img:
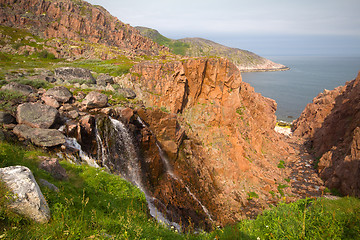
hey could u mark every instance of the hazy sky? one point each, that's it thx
(266, 27)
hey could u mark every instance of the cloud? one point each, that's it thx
(238, 16)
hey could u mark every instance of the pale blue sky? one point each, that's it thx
(277, 27)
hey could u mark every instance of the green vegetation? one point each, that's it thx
(175, 46)
(283, 124)
(9, 100)
(93, 204)
(281, 164)
(252, 195)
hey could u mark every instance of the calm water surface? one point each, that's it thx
(307, 77)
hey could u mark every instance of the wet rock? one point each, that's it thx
(72, 73)
(29, 200)
(127, 93)
(95, 100)
(6, 118)
(59, 93)
(52, 166)
(104, 79)
(18, 87)
(37, 115)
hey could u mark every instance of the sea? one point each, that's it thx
(307, 77)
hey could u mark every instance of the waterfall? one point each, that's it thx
(172, 174)
(72, 143)
(126, 156)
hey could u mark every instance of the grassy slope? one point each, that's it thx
(197, 47)
(96, 205)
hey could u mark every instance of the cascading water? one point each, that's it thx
(72, 143)
(118, 152)
(172, 175)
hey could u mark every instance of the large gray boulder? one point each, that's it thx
(59, 93)
(37, 115)
(71, 73)
(28, 199)
(39, 136)
(95, 100)
(18, 87)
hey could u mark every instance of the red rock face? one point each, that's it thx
(332, 123)
(79, 21)
(221, 142)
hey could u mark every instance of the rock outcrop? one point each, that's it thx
(18, 87)
(75, 20)
(332, 124)
(95, 100)
(60, 94)
(74, 74)
(37, 115)
(39, 136)
(28, 199)
(220, 131)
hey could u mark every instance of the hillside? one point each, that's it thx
(199, 47)
(119, 133)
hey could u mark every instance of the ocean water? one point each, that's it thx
(307, 77)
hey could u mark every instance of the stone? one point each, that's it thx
(40, 137)
(104, 79)
(50, 101)
(95, 100)
(49, 185)
(6, 118)
(47, 137)
(52, 166)
(37, 115)
(127, 93)
(72, 73)
(29, 200)
(59, 93)
(18, 87)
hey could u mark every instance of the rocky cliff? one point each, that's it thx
(246, 61)
(332, 124)
(225, 146)
(74, 20)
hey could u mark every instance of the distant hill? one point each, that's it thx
(197, 47)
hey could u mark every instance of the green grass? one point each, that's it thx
(304, 219)
(10, 99)
(93, 204)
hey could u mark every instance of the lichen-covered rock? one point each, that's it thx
(40, 137)
(127, 93)
(59, 93)
(104, 79)
(28, 199)
(37, 115)
(18, 87)
(72, 73)
(95, 100)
